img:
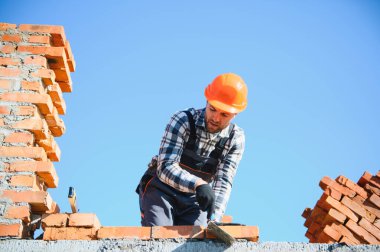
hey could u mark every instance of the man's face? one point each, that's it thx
(216, 119)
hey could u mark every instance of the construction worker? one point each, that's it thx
(189, 182)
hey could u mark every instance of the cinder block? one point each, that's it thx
(141, 233)
(171, 232)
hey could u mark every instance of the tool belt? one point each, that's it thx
(202, 167)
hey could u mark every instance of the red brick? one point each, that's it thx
(55, 93)
(56, 55)
(40, 201)
(20, 137)
(324, 238)
(84, 220)
(54, 220)
(54, 209)
(336, 215)
(375, 200)
(141, 233)
(4, 110)
(5, 84)
(2, 122)
(36, 125)
(314, 228)
(369, 206)
(14, 230)
(347, 241)
(65, 86)
(327, 202)
(317, 215)
(70, 57)
(373, 230)
(9, 62)
(7, 49)
(11, 38)
(352, 185)
(57, 32)
(348, 234)
(358, 209)
(9, 71)
(45, 170)
(361, 232)
(375, 181)
(25, 111)
(328, 182)
(36, 153)
(250, 233)
(51, 147)
(32, 85)
(333, 193)
(372, 189)
(377, 223)
(306, 213)
(43, 101)
(31, 181)
(36, 60)
(18, 212)
(7, 26)
(69, 233)
(171, 232)
(39, 39)
(365, 178)
(47, 76)
(335, 235)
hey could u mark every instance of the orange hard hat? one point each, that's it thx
(227, 92)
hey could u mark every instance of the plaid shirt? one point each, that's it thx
(175, 137)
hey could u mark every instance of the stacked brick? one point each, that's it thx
(86, 226)
(35, 66)
(347, 212)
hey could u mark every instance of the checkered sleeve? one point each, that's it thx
(168, 170)
(226, 171)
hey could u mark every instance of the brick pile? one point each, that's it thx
(86, 226)
(35, 66)
(347, 212)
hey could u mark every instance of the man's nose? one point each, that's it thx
(216, 117)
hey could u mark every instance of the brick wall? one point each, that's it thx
(35, 66)
(347, 212)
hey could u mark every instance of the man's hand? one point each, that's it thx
(206, 199)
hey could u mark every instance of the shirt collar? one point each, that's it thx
(200, 122)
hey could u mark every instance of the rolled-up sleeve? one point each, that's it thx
(226, 172)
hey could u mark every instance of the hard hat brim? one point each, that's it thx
(225, 107)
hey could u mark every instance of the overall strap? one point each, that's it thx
(193, 136)
(217, 152)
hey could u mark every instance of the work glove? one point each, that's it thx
(206, 199)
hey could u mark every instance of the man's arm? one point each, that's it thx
(226, 173)
(173, 142)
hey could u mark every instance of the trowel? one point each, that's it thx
(214, 228)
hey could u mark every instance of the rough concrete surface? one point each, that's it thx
(174, 245)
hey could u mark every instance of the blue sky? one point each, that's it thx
(312, 68)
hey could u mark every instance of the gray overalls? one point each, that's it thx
(161, 204)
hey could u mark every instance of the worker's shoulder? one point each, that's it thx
(238, 132)
(182, 114)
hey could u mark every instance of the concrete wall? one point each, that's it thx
(175, 245)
